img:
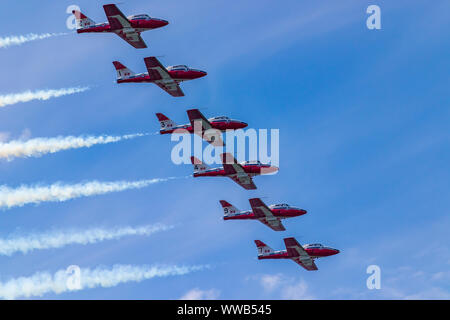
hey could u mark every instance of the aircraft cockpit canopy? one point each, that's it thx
(220, 118)
(252, 162)
(314, 246)
(280, 206)
(139, 17)
(178, 68)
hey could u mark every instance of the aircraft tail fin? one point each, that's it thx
(263, 249)
(82, 20)
(198, 165)
(228, 209)
(165, 122)
(122, 71)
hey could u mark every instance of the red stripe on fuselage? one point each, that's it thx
(96, 28)
(279, 213)
(314, 253)
(243, 216)
(282, 255)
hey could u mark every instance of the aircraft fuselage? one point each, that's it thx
(251, 170)
(176, 75)
(312, 252)
(218, 125)
(279, 213)
(136, 26)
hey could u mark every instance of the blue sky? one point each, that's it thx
(364, 144)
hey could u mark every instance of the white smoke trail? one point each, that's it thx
(62, 281)
(13, 98)
(18, 40)
(59, 239)
(62, 192)
(39, 146)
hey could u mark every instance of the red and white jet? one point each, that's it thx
(269, 215)
(128, 28)
(241, 173)
(166, 78)
(200, 126)
(303, 255)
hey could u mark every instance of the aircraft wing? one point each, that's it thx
(245, 182)
(122, 26)
(133, 38)
(196, 115)
(236, 172)
(299, 255)
(116, 18)
(264, 214)
(198, 119)
(160, 76)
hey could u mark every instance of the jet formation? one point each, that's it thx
(243, 174)
(130, 29)
(169, 79)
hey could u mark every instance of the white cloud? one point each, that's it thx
(441, 275)
(296, 291)
(288, 288)
(269, 282)
(433, 293)
(197, 294)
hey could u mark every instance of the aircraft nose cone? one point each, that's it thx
(336, 251)
(299, 212)
(244, 124)
(165, 23)
(269, 170)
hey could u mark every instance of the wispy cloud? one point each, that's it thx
(59, 239)
(197, 294)
(21, 39)
(284, 287)
(43, 282)
(297, 290)
(13, 98)
(58, 192)
(39, 146)
(270, 281)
